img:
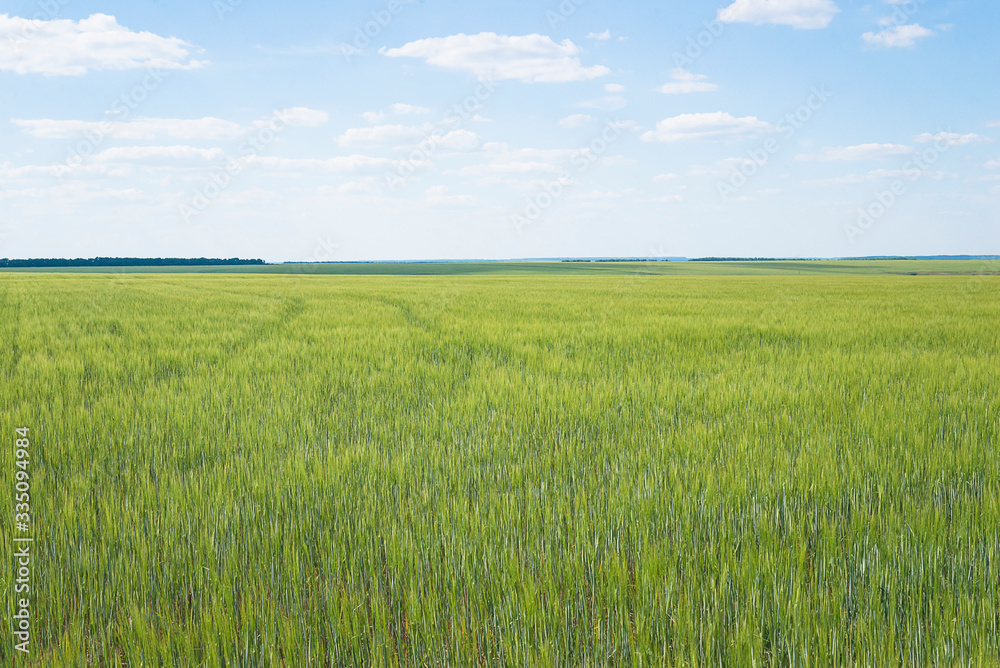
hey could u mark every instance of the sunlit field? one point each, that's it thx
(560, 470)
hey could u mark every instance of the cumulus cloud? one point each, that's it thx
(208, 127)
(952, 139)
(685, 82)
(458, 140)
(506, 160)
(63, 47)
(400, 109)
(300, 117)
(601, 36)
(381, 134)
(509, 167)
(717, 125)
(576, 121)
(529, 58)
(438, 196)
(858, 152)
(156, 153)
(455, 140)
(799, 14)
(897, 36)
(611, 102)
(144, 128)
(339, 164)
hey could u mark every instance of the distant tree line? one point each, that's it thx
(125, 262)
(750, 259)
(619, 259)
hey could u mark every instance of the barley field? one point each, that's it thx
(559, 470)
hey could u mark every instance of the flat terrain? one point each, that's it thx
(561, 470)
(652, 268)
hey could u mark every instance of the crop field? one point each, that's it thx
(529, 470)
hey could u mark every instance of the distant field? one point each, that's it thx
(563, 470)
(863, 267)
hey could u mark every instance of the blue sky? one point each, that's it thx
(432, 129)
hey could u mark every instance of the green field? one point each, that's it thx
(537, 470)
(648, 268)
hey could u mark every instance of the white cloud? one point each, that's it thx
(724, 167)
(664, 177)
(614, 88)
(438, 196)
(897, 36)
(717, 125)
(502, 159)
(149, 128)
(510, 167)
(952, 138)
(48, 171)
(876, 175)
(400, 109)
(338, 164)
(993, 164)
(529, 58)
(300, 117)
(626, 125)
(800, 14)
(154, 153)
(606, 103)
(143, 128)
(903, 173)
(72, 48)
(618, 161)
(576, 121)
(600, 35)
(685, 82)
(381, 134)
(75, 193)
(993, 124)
(858, 152)
(367, 185)
(458, 140)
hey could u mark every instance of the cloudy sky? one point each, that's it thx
(396, 129)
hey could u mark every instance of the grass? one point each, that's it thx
(766, 268)
(508, 470)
